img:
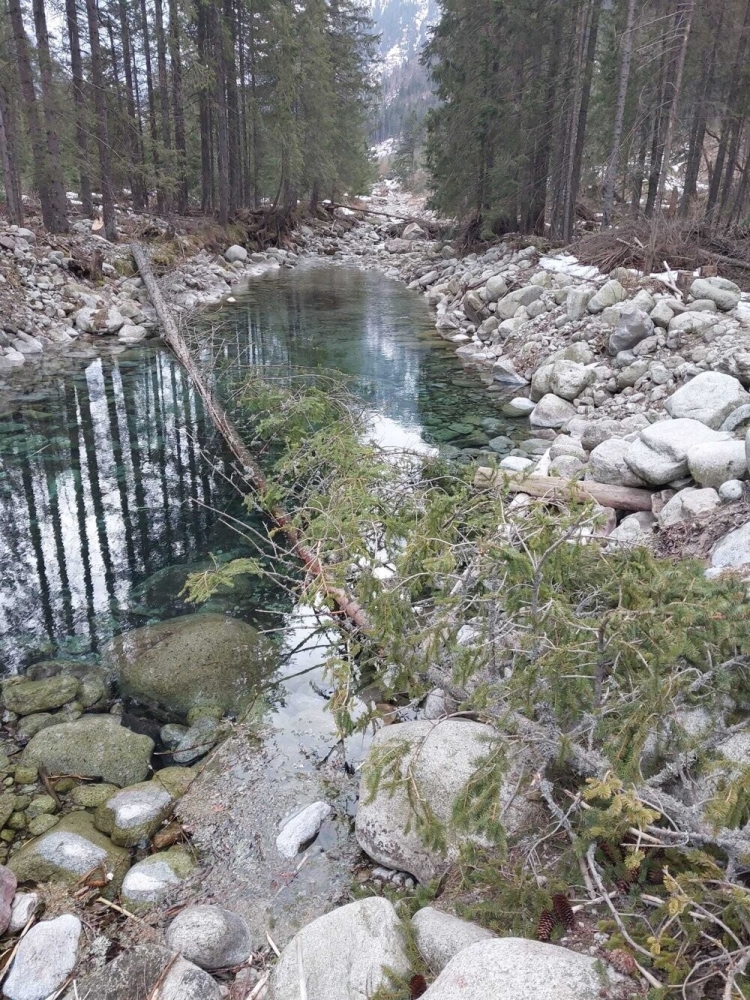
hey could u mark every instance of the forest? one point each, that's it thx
(642, 105)
(220, 104)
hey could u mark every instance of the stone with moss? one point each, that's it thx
(91, 796)
(134, 814)
(26, 697)
(72, 849)
(41, 805)
(7, 807)
(220, 663)
(95, 746)
(26, 774)
(150, 880)
(41, 824)
(176, 780)
(29, 726)
(17, 820)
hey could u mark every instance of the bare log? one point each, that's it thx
(619, 497)
(250, 467)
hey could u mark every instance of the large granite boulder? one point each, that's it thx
(659, 455)
(709, 397)
(607, 464)
(519, 969)
(45, 958)
(201, 659)
(717, 462)
(439, 758)
(723, 292)
(210, 936)
(440, 936)
(732, 552)
(94, 746)
(343, 955)
(551, 412)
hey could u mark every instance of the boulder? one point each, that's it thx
(609, 294)
(732, 552)
(74, 848)
(633, 326)
(508, 306)
(103, 319)
(566, 467)
(568, 379)
(692, 322)
(441, 759)
(474, 307)
(210, 936)
(576, 303)
(95, 746)
(541, 381)
(504, 372)
(45, 958)
(687, 505)
(662, 315)
(8, 884)
(26, 697)
(135, 973)
(301, 829)
(132, 333)
(441, 936)
(150, 880)
(23, 908)
(519, 406)
(235, 254)
(737, 418)
(635, 529)
(709, 397)
(732, 489)
(714, 463)
(343, 955)
(413, 231)
(197, 741)
(520, 969)
(551, 412)
(220, 661)
(495, 288)
(659, 455)
(723, 292)
(134, 814)
(607, 464)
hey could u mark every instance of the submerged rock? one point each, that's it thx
(95, 746)
(343, 955)
(26, 697)
(201, 659)
(302, 828)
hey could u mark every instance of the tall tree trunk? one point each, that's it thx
(57, 195)
(222, 128)
(178, 111)
(728, 120)
(155, 155)
(233, 118)
(622, 93)
(683, 18)
(140, 192)
(583, 112)
(161, 60)
(8, 153)
(204, 106)
(42, 179)
(255, 111)
(79, 102)
(102, 135)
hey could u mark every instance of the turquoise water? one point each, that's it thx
(110, 472)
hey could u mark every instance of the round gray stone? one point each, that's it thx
(44, 960)
(441, 936)
(210, 936)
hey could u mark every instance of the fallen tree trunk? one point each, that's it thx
(619, 497)
(249, 466)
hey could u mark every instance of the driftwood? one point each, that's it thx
(387, 215)
(250, 467)
(619, 497)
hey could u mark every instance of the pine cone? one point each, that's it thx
(563, 911)
(417, 986)
(622, 961)
(545, 926)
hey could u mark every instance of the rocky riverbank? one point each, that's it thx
(132, 880)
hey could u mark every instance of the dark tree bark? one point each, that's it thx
(227, 41)
(161, 60)
(222, 128)
(140, 191)
(56, 185)
(155, 155)
(583, 112)
(42, 170)
(204, 109)
(622, 93)
(178, 111)
(79, 102)
(102, 132)
(9, 156)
